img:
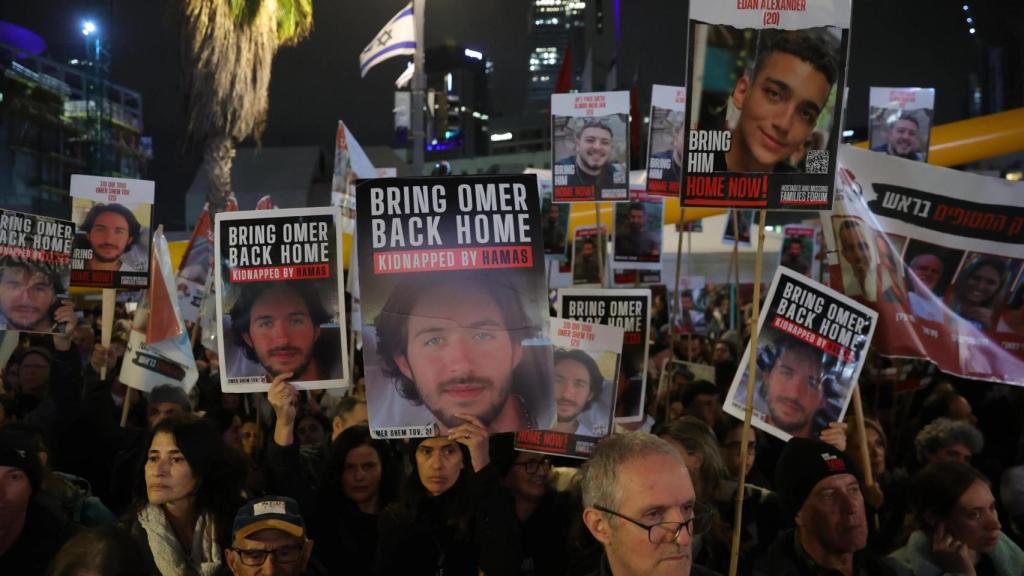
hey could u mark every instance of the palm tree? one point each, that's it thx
(229, 46)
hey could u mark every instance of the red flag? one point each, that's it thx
(265, 203)
(163, 318)
(564, 83)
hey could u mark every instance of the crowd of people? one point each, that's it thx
(291, 482)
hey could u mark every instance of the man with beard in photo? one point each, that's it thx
(792, 385)
(595, 144)
(902, 139)
(578, 382)
(111, 230)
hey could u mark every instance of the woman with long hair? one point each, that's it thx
(431, 528)
(360, 478)
(958, 528)
(186, 495)
(976, 291)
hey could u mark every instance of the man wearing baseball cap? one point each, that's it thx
(269, 537)
(817, 489)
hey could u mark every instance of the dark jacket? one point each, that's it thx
(787, 558)
(42, 536)
(537, 547)
(605, 570)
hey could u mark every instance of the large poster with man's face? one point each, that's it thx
(590, 146)
(939, 254)
(900, 121)
(765, 89)
(665, 144)
(35, 269)
(454, 304)
(629, 310)
(811, 346)
(112, 216)
(280, 299)
(586, 367)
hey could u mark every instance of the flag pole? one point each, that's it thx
(418, 85)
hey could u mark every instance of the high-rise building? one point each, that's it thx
(555, 26)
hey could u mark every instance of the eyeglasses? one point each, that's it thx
(282, 555)
(663, 532)
(531, 466)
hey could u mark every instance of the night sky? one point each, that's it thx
(317, 82)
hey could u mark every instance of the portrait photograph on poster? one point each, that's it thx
(280, 299)
(431, 358)
(554, 224)
(589, 255)
(799, 249)
(35, 272)
(638, 233)
(590, 146)
(628, 309)
(812, 343)
(585, 370)
(900, 121)
(112, 218)
(665, 143)
(746, 69)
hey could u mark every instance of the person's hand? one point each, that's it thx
(952, 555)
(473, 434)
(65, 315)
(284, 398)
(102, 357)
(835, 435)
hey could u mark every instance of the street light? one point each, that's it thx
(88, 27)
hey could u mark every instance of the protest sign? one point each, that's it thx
(638, 233)
(748, 65)
(738, 221)
(554, 224)
(800, 249)
(158, 350)
(900, 121)
(112, 216)
(35, 270)
(938, 254)
(280, 299)
(665, 144)
(196, 266)
(590, 146)
(812, 342)
(350, 163)
(585, 369)
(628, 309)
(589, 250)
(454, 304)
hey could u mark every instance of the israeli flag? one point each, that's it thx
(396, 38)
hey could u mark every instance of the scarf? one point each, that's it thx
(168, 555)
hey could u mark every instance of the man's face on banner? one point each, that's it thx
(794, 390)
(593, 148)
(928, 268)
(588, 250)
(26, 296)
(572, 389)
(795, 249)
(459, 354)
(281, 332)
(854, 247)
(636, 219)
(109, 237)
(778, 109)
(903, 137)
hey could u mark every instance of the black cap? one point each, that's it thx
(803, 463)
(18, 451)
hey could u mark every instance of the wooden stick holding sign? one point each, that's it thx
(675, 287)
(107, 323)
(600, 241)
(734, 557)
(127, 406)
(862, 443)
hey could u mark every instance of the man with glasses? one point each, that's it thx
(639, 503)
(269, 537)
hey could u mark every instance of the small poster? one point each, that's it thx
(665, 144)
(811, 345)
(765, 96)
(280, 299)
(628, 309)
(35, 269)
(112, 217)
(454, 304)
(738, 222)
(585, 369)
(800, 249)
(197, 264)
(590, 146)
(554, 223)
(638, 233)
(900, 121)
(589, 249)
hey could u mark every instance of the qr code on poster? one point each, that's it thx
(817, 162)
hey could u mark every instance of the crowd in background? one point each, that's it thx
(172, 491)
